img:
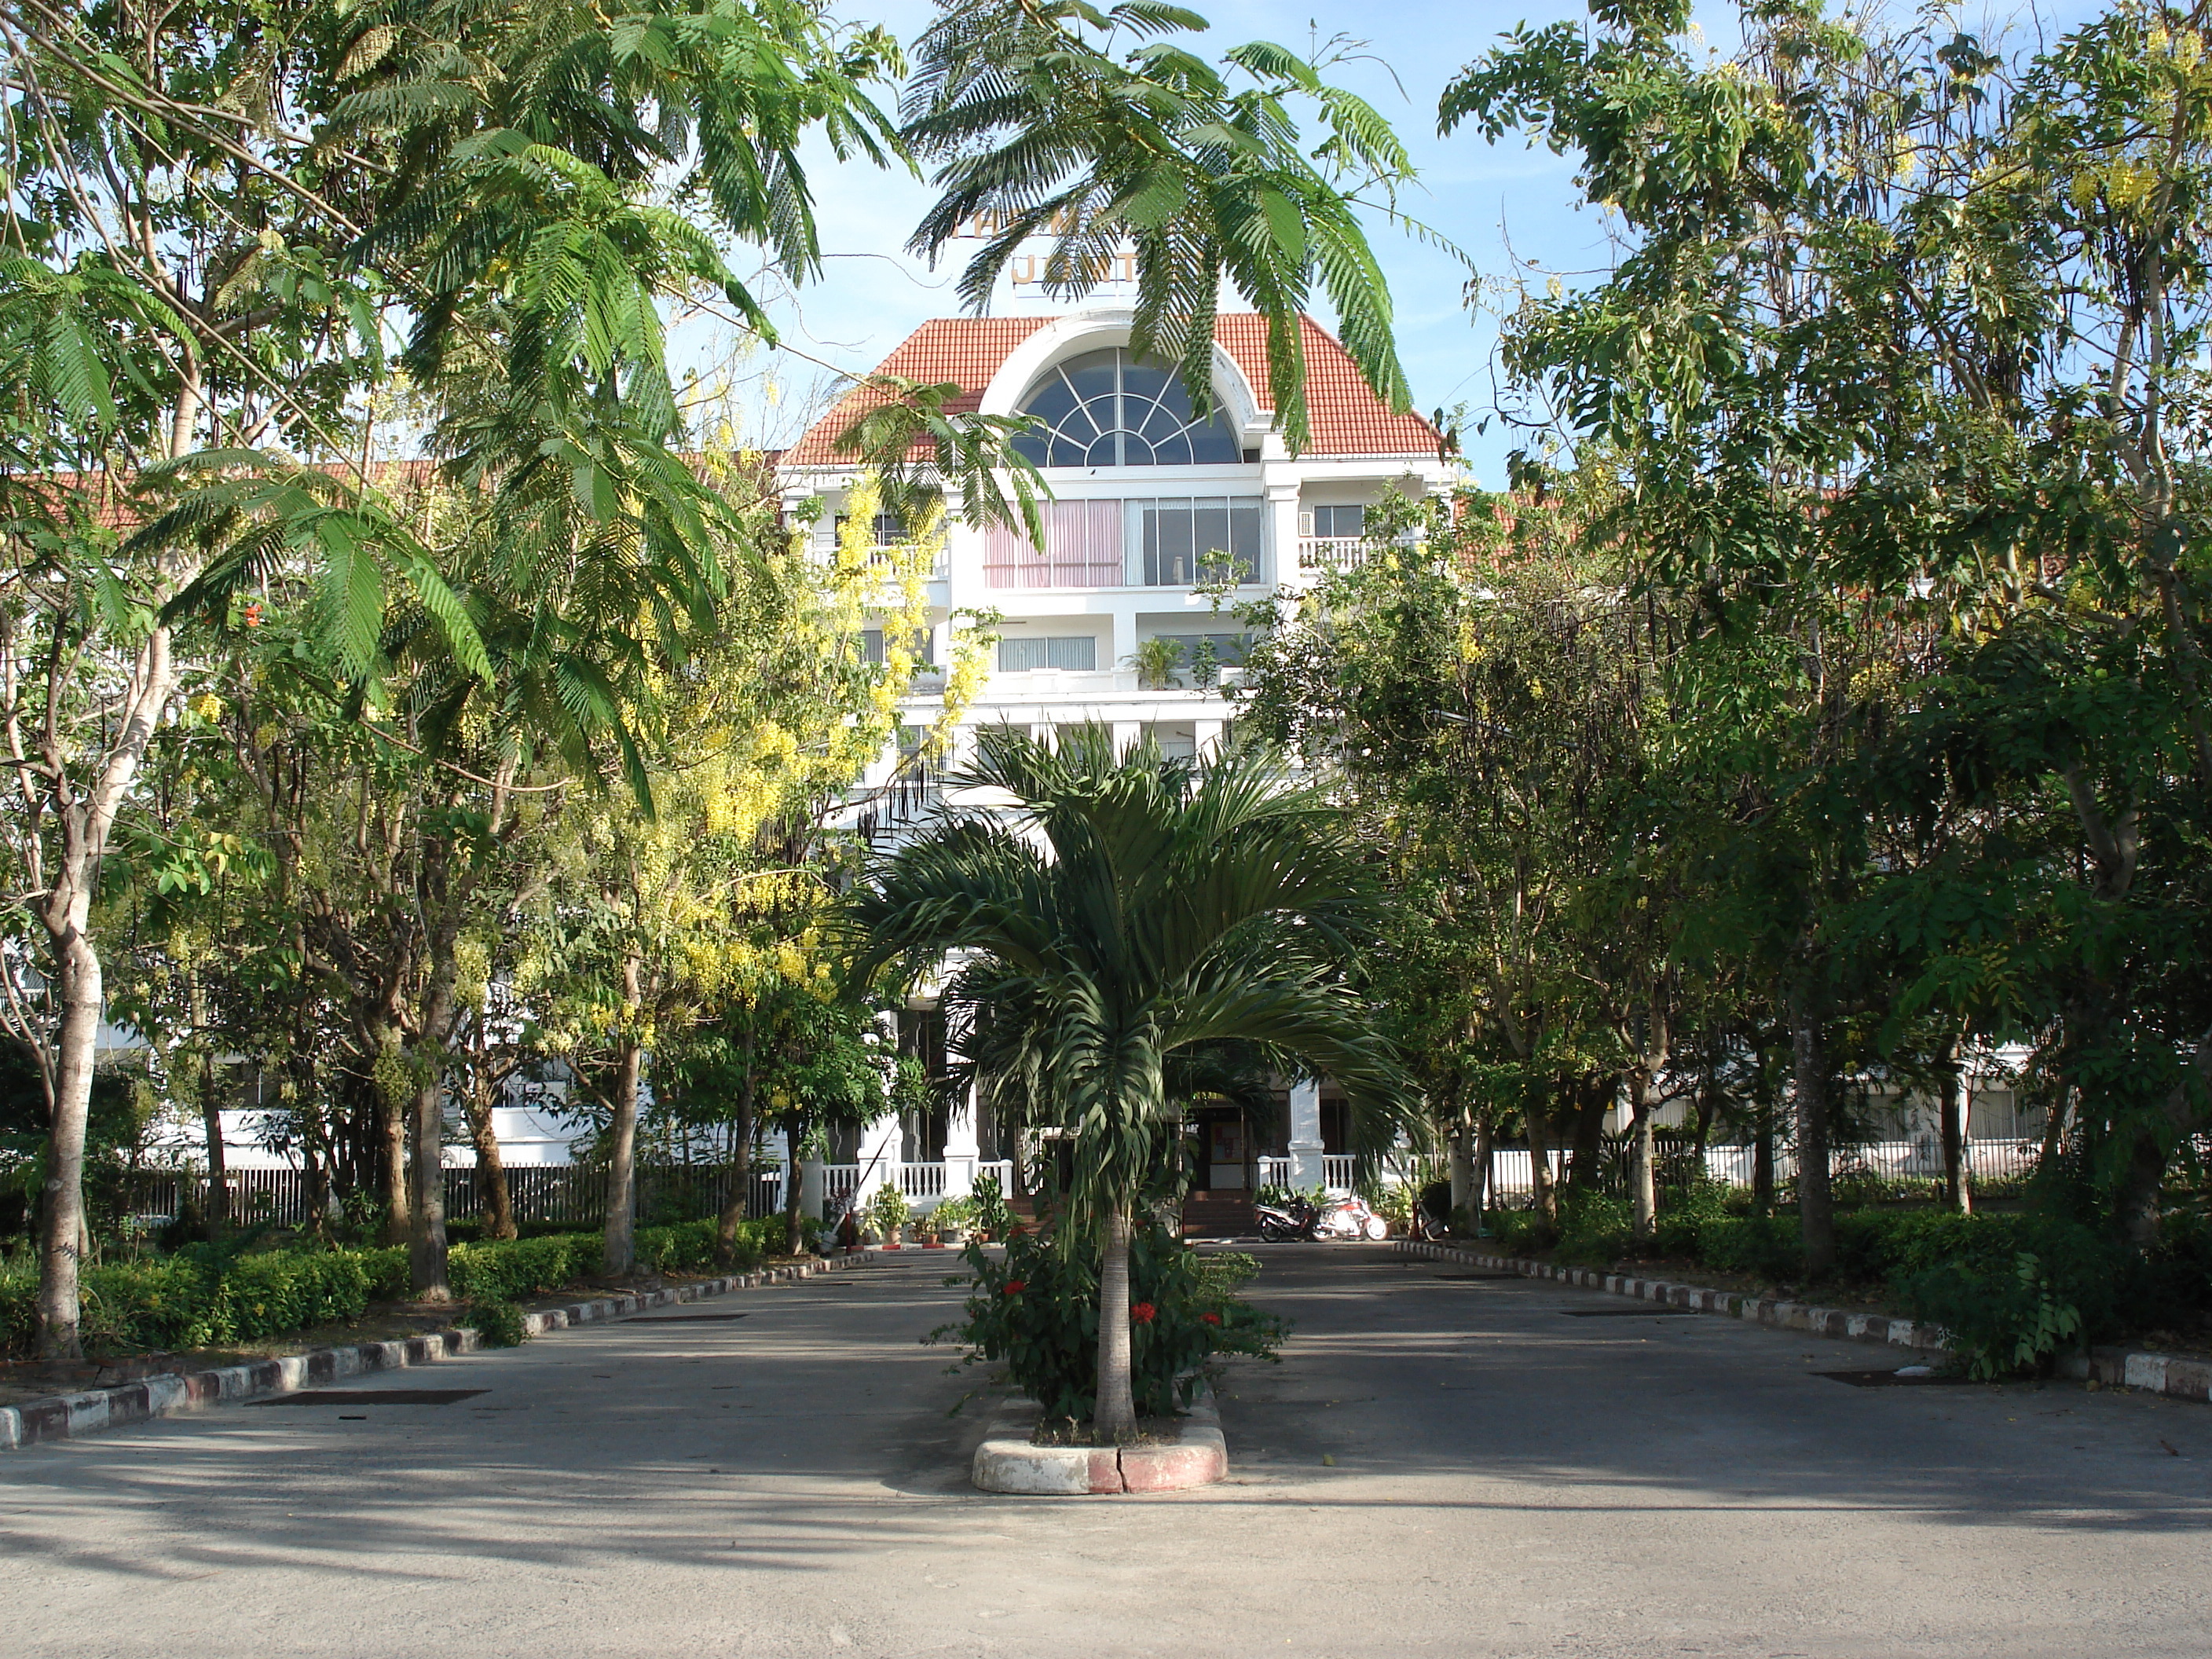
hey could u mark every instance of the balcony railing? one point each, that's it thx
(1340, 552)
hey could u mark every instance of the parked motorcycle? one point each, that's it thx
(1280, 1224)
(1349, 1217)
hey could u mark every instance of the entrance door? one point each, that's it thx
(1225, 1155)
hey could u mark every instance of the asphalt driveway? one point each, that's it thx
(1446, 1462)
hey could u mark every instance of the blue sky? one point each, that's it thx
(1499, 205)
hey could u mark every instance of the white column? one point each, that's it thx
(1283, 535)
(960, 1149)
(1307, 1169)
(1128, 734)
(810, 1193)
(1208, 733)
(879, 1141)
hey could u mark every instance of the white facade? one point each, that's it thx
(1075, 616)
(1134, 552)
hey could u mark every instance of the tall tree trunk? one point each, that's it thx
(1762, 1165)
(1463, 1164)
(1643, 1173)
(1486, 1127)
(493, 1197)
(62, 1244)
(1956, 1194)
(1593, 1095)
(442, 1017)
(398, 1207)
(218, 1203)
(794, 1242)
(621, 1141)
(1115, 1417)
(1816, 1208)
(741, 1177)
(1540, 1165)
(426, 1244)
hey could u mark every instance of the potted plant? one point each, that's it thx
(889, 1211)
(1155, 661)
(987, 1206)
(952, 1218)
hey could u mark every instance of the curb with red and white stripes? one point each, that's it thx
(2154, 1373)
(1007, 1462)
(72, 1416)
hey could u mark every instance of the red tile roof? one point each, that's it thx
(1347, 418)
(1344, 417)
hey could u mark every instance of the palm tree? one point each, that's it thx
(1122, 909)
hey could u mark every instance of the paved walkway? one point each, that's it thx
(1447, 1463)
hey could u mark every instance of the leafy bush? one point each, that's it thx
(498, 1324)
(1594, 1229)
(1684, 1212)
(1519, 1229)
(888, 1210)
(207, 1295)
(1036, 1312)
(952, 1215)
(1997, 1323)
(992, 1216)
(1765, 1247)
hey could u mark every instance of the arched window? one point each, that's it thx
(1109, 409)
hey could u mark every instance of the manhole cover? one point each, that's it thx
(1620, 1313)
(371, 1397)
(684, 1319)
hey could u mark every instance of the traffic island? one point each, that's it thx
(1009, 1460)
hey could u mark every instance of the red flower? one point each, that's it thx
(1142, 1313)
(1211, 1319)
(1015, 1286)
(252, 613)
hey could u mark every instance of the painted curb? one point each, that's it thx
(1005, 1462)
(73, 1416)
(2154, 1373)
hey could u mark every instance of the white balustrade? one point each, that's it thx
(922, 1180)
(1336, 1171)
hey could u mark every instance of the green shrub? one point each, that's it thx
(1035, 1310)
(1996, 1323)
(498, 1324)
(1684, 1214)
(992, 1214)
(1765, 1247)
(210, 1294)
(207, 1295)
(1519, 1229)
(1594, 1229)
(888, 1210)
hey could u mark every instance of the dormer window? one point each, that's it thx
(1109, 409)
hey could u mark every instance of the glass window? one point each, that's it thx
(1340, 523)
(871, 645)
(1184, 542)
(1109, 409)
(1079, 652)
(885, 529)
(1228, 649)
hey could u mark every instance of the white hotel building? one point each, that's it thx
(1148, 504)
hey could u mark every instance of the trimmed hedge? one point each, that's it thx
(2009, 1291)
(207, 1295)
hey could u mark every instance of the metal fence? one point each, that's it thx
(545, 1193)
(1513, 1170)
